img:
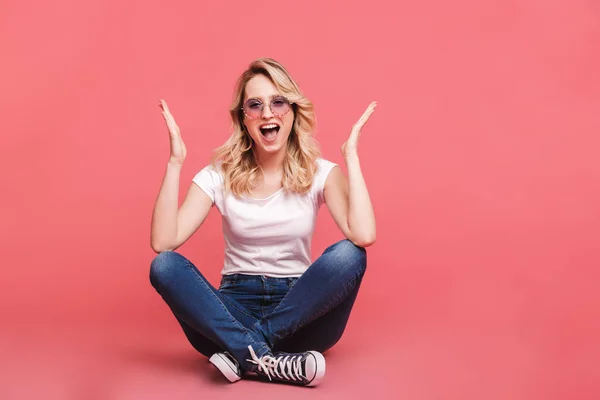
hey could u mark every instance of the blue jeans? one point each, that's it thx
(270, 314)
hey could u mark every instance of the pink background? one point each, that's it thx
(481, 160)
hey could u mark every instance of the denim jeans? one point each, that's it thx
(270, 314)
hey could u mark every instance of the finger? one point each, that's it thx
(167, 112)
(371, 107)
(356, 131)
(163, 105)
(369, 110)
(172, 130)
(366, 115)
(359, 125)
(173, 125)
(169, 118)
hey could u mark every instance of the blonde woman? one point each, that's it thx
(275, 312)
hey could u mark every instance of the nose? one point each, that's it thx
(266, 112)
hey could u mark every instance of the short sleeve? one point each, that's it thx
(208, 179)
(324, 167)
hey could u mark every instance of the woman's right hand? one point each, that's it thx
(178, 150)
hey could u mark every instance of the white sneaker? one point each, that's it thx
(228, 366)
(305, 369)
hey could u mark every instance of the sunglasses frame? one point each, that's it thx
(270, 106)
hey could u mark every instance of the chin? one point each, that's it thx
(272, 147)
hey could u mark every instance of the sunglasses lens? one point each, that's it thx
(280, 106)
(253, 108)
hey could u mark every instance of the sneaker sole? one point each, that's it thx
(223, 365)
(320, 369)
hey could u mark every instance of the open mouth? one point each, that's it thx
(269, 131)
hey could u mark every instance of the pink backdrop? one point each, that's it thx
(481, 160)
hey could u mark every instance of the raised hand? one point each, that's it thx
(349, 148)
(178, 150)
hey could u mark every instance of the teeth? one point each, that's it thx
(270, 126)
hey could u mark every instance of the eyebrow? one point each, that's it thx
(270, 98)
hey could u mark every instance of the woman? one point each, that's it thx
(274, 312)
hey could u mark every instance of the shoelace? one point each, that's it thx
(286, 367)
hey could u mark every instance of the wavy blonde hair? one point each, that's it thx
(237, 155)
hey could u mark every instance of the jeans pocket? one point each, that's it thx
(227, 282)
(291, 282)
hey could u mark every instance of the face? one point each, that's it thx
(269, 130)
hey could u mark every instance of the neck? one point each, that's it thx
(271, 162)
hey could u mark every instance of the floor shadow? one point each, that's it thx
(171, 360)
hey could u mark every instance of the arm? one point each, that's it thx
(349, 204)
(348, 199)
(171, 226)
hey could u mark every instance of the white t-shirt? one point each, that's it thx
(270, 236)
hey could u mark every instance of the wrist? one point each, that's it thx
(176, 165)
(351, 158)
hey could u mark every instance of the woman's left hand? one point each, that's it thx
(349, 148)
